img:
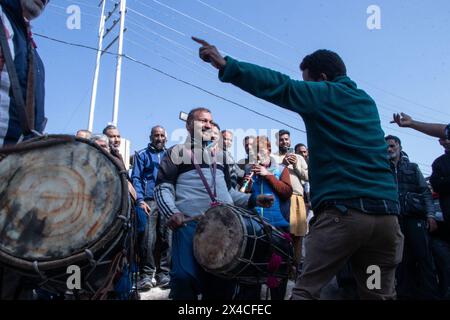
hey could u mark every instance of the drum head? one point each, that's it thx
(218, 238)
(56, 200)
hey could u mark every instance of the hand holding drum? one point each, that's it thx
(265, 200)
(176, 221)
(179, 220)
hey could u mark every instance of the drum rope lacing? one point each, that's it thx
(261, 267)
(117, 261)
(114, 269)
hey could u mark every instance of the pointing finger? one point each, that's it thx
(202, 42)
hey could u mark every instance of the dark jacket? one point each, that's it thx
(440, 181)
(145, 171)
(410, 180)
(10, 129)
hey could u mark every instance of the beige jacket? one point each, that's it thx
(298, 172)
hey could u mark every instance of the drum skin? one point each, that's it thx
(233, 243)
(218, 239)
(56, 201)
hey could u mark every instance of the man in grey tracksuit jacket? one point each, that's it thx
(180, 194)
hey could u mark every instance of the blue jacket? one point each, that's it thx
(10, 129)
(145, 171)
(278, 214)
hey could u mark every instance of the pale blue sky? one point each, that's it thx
(404, 66)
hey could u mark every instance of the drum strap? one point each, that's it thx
(25, 109)
(212, 195)
(108, 286)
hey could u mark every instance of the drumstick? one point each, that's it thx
(194, 218)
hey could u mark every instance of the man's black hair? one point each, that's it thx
(192, 113)
(282, 132)
(108, 127)
(395, 138)
(157, 127)
(298, 145)
(324, 61)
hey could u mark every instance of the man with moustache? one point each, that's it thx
(302, 150)
(113, 134)
(145, 171)
(192, 177)
(415, 274)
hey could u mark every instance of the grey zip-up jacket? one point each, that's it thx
(179, 188)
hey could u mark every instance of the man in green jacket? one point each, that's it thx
(353, 191)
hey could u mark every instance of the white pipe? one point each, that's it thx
(123, 7)
(101, 31)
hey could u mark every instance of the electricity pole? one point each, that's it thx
(103, 32)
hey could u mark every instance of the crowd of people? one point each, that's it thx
(350, 201)
(282, 174)
(171, 191)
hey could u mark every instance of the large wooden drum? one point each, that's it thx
(235, 243)
(63, 201)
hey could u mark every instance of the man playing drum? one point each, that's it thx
(190, 180)
(15, 21)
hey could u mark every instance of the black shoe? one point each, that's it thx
(164, 282)
(146, 284)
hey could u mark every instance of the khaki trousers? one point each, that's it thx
(365, 240)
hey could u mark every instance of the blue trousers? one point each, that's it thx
(187, 277)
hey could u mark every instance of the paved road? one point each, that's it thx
(329, 292)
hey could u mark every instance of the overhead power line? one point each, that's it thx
(387, 92)
(172, 77)
(246, 24)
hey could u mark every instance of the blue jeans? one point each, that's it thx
(187, 278)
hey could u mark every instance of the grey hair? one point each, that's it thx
(102, 137)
